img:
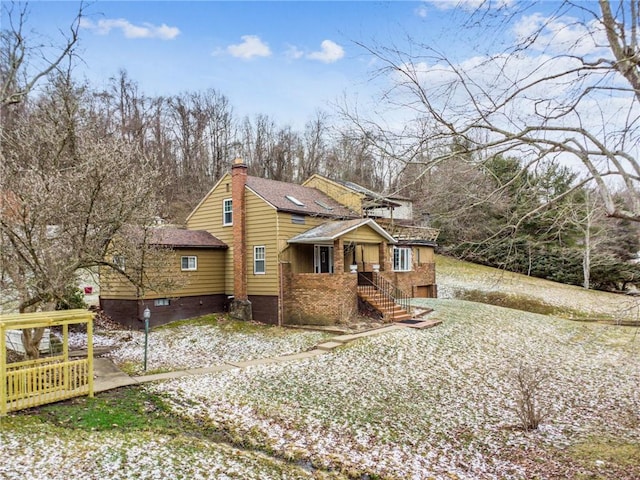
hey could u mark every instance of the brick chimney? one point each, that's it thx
(241, 306)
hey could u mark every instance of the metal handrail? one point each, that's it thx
(390, 294)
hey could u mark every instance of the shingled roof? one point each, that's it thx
(180, 237)
(289, 197)
(328, 232)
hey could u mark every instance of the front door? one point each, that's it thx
(323, 258)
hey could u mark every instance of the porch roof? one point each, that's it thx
(328, 232)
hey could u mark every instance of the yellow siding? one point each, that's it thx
(261, 231)
(364, 234)
(208, 216)
(367, 253)
(114, 285)
(426, 255)
(206, 280)
(287, 230)
(303, 261)
(339, 193)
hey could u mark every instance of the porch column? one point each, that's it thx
(338, 256)
(383, 257)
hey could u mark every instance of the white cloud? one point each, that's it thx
(566, 34)
(421, 11)
(250, 47)
(293, 52)
(330, 52)
(129, 30)
(552, 95)
(470, 4)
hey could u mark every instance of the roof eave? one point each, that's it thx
(311, 241)
(211, 247)
(371, 223)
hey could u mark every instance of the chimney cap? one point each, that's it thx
(238, 161)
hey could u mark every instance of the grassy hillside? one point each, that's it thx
(468, 281)
(440, 403)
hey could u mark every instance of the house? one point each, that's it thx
(307, 254)
(195, 263)
(413, 266)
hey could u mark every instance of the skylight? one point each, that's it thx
(323, 205)
(294, 200)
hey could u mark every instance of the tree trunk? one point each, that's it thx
(31, 338)
(586, 258)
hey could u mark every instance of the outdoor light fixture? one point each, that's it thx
(147, 316)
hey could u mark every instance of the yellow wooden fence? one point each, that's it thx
(49, 379)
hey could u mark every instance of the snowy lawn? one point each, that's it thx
(203, 342)
(458, 279)
(41, 451)
(438, 403)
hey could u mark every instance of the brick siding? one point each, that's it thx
(319, 299)
(238, 182)
(408, 282)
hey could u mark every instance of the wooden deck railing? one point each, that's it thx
(39, 381)
(31, 384)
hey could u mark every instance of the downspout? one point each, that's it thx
(281, 296)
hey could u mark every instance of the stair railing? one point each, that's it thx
(373, 283)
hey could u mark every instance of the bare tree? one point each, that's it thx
(566, 88)
(23, 65)
(315, 147)
(587, 214)
(68, 189)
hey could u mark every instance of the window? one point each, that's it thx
(402, 259)
(259, 258)
(189, 263)
(227, 212)
(161, 302)
(118, 261)
(297, 219)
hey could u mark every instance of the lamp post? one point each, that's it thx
(147, 316)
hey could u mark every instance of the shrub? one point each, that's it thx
(73, 298)
(529, 382)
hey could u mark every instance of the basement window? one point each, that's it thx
(294, 200)
(189, 263)
(161, 302)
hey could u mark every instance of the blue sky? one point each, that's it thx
(283, 59)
